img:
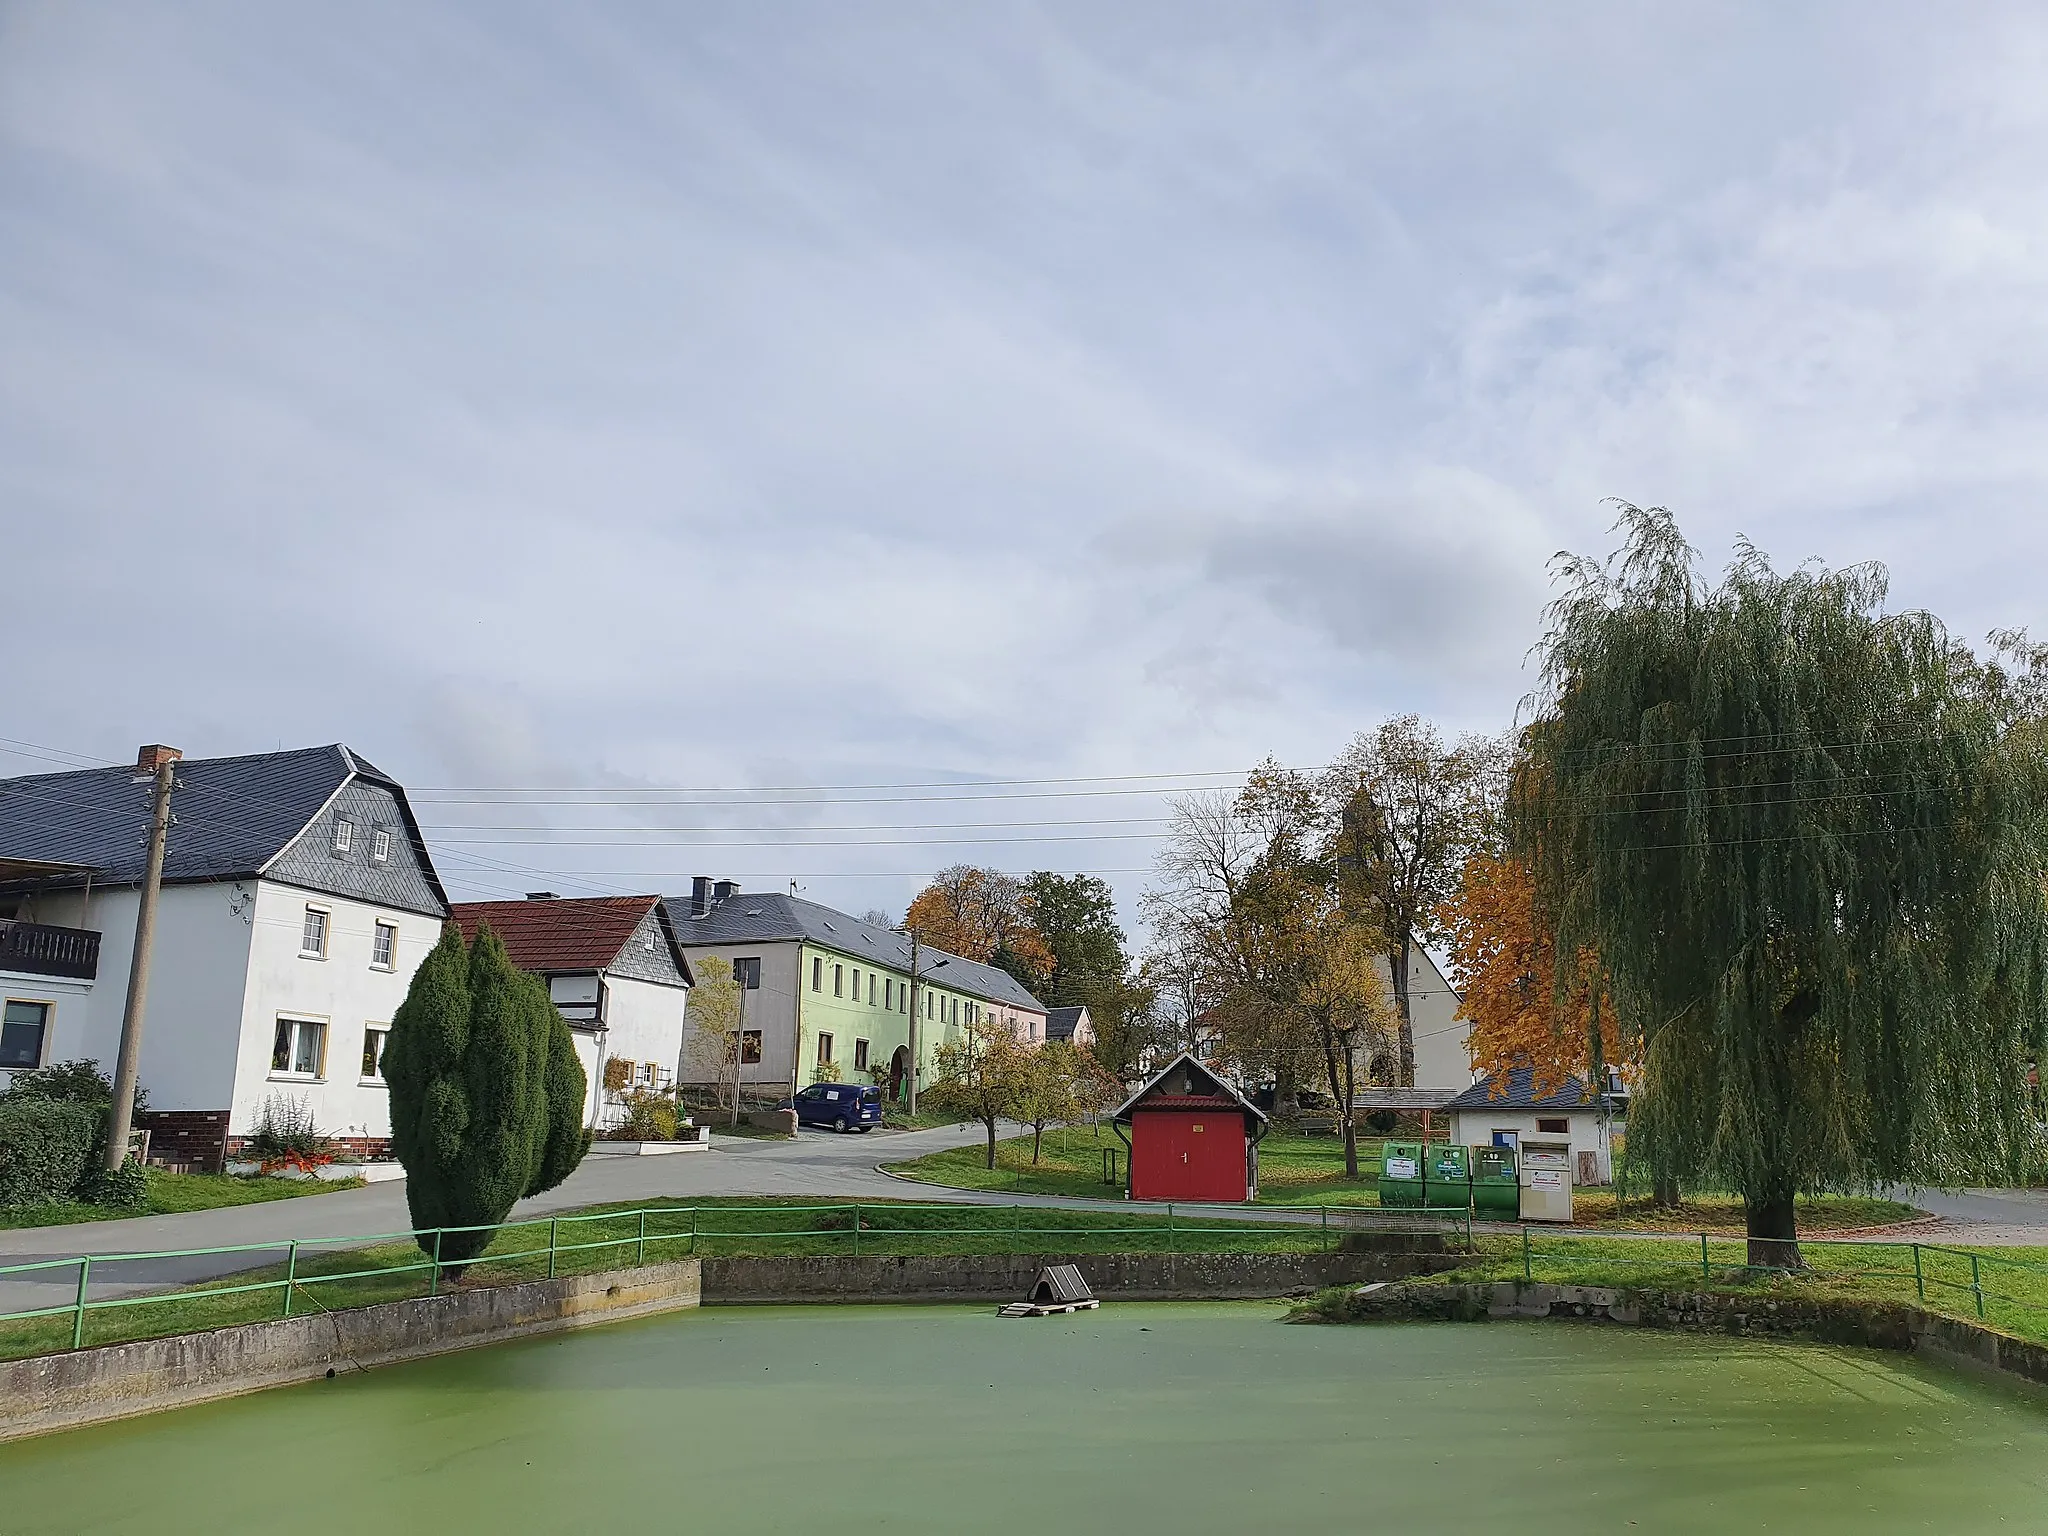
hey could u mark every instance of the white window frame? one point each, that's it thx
(344, 835)
(378, 929)
(49, 1028)
(299, 1022)
(376, 1080)
(326, 916)
(380, 845)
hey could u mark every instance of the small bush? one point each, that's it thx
(70, 1082)
(286, 1136)
(46, 1149)
(649, 1117)
(826, 1072)
(126, 1187)
(618, 1074)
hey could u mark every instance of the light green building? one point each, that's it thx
(829, 995)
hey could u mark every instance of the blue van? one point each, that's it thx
(843, 1106)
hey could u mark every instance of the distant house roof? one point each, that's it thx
(1060, 1023)
(1517, 1090)
(1184, 1083)
(745, 918)
(233, 816)
(563, 933)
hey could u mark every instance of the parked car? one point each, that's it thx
(843, 1106)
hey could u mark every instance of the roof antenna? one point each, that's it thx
(792, 885)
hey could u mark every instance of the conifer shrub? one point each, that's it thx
(486, 1092)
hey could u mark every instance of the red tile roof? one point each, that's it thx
(1185, 1101)
(565, 934)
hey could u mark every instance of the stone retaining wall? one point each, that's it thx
(89, 1386)
(1835, 1320)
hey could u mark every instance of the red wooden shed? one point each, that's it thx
(1192, 1137)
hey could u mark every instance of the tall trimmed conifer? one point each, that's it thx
(486, 1092)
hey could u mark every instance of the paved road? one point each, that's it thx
(816, 1163)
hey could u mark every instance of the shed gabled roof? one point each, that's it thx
(564, 933)
(767, 918)
(231, 816)
(1060, 1023)
(1186, 1084)
(1516, 1089)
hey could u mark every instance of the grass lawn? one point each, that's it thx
(172, 1192)
(601, 1239)
(1309, 1170)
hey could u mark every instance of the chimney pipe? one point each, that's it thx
(724, 891)
(700, 896)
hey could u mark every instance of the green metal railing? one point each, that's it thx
(1683, 1253)
(684, 1231)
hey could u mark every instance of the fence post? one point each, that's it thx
(1326, 1229)
(1919, 1281)
(640, 1247)
(693, 1231)
(1706, 1274)
(434, 1286)
(1976, 1285)
(1526, 1274)
(856, 1229)
(291, 1275)
(553, 1222)
(1172, 1243)
(78, 1316)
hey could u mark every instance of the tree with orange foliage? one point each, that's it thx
(985, 915)
(1505, 962)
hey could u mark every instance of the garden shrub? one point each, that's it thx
(47, 1148)
(287, 1137)
(649, 1117)
(126, 1187)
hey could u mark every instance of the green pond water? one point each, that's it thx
(1139, 1418)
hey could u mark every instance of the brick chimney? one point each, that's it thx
(149, 759)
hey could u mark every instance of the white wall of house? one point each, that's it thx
(1442, 1058)
(646, 1021)
(1587, 1128)
(344, 992)
(199, 963)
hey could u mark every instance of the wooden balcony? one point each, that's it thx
(42, 950)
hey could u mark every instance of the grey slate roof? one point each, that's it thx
(769, 918)
(1060, 1023)
(232, 816)
(1520, 1093)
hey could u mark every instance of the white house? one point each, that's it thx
(828, 996)
(1071, 1024)
(1504, 1109)
(615, 972)
(298, 899)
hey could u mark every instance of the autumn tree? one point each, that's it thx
(1058, 1085)
(982, 1074)
(1805, 836)
(984, 915)
(1405, 810)
(1522, 1012)
(712, 1036)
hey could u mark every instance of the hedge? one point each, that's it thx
(46, 1150)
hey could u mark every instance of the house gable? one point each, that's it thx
(402, 880)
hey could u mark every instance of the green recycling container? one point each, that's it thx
(1496, 1186)
(1447, 1178)
(1401, 1175)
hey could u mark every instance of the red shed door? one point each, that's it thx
(1187, 1155)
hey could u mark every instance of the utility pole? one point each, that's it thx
(913, 1023)
(162, 762)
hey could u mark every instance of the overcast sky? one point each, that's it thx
(777, 394)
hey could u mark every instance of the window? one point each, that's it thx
(747, 972)
(871, 989)
(23, 1029)
(380, 846)
(647, 1073)
(824, 1049)
(344, 835)
(750, 1046)
(903, 999)
(856, 983)
(817, 974)
(860, 1055)
(373, 1053)
(839, 981)
(300, 1048)
(889, 992)
(313, 936)
(383, 945)
(1553, 1127)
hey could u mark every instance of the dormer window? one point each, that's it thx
(380, 846)
(344, 835)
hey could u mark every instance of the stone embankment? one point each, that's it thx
(1833, 1320)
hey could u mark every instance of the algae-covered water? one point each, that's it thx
(1177, 1418)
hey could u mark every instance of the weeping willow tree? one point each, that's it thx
(1805, 837)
